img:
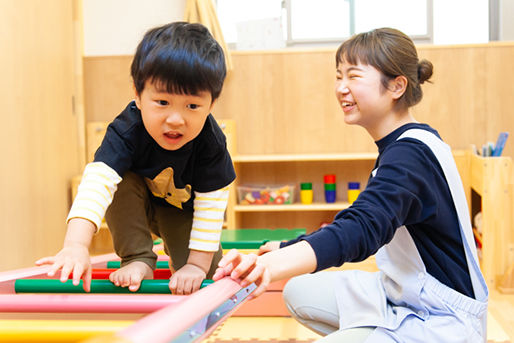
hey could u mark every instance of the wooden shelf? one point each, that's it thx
(304, 157)
(491, 179)
(337, 206)
(295, 168)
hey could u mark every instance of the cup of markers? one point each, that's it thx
(330, 188)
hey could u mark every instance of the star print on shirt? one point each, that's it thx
(163, 186)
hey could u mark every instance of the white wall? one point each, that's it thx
(115, 27)
(461, 21)
(506, 20)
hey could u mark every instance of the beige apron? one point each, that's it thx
(403, 301)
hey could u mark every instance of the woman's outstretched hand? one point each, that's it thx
(268, 246)
(245, 269)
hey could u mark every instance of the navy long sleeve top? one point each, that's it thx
(409, 188)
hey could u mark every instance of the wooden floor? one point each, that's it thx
(501, 307)
(500, 326)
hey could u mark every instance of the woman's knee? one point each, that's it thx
(311, 300)
(295, 290)
(316, 289)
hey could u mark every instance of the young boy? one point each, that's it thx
(163, 164)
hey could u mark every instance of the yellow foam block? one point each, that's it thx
(57, 330)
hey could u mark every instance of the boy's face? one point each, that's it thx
(173, 119)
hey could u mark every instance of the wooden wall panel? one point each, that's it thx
(107, 86)
(283, 101)
(454, 103)
(39, 130)
(499, 93)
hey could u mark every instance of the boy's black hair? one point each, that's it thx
(181, 58)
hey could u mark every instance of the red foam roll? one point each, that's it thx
(103, 273)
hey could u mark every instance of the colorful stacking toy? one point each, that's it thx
(330, 188)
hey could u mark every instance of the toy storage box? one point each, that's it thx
(266, 195)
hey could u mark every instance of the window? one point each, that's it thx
(307, 22)
(410, 16)
(321, 20)
(233, 12)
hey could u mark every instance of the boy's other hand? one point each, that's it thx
(72, 259)
(187, 279)
(244, 269)
(268, 246)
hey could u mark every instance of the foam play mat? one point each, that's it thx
(287, 330)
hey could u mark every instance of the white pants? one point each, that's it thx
(311, 300)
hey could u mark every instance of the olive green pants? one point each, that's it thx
(135, 214)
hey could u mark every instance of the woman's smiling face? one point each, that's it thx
(361, 94)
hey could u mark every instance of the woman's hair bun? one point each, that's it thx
(425, 69)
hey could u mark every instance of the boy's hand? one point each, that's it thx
(187, 279)
(245, 269)
(74, 259)
(268, 246)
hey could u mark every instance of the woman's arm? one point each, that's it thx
(279, 264)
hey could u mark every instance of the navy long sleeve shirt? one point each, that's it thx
(409, 188)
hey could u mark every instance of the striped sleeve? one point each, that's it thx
(95, 193)
(209, 211)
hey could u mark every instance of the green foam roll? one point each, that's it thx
(254, 238)
(117, 264)
(97, 286)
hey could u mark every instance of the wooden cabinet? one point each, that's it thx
(293, 169)
(491, 179)
(277, 170)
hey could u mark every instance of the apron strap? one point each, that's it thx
(443, 154)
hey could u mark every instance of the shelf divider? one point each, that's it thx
(337, 206)
(304, 157)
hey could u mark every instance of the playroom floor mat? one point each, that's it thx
(261, 329)
(287, 330)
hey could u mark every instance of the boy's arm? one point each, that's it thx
(74, 256)
(201, 259)
(209, 211)
(80, 232)
(95, 193)
(208, 216)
